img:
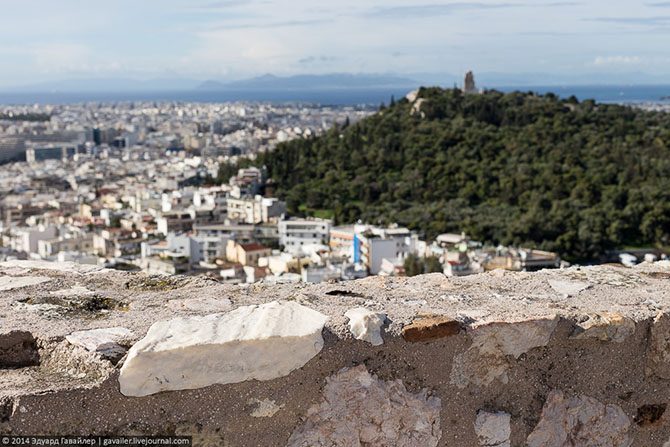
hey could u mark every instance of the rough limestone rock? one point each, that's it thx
(360, 410)
(18, 349)
(485, 330)
(567, 287)
(366, 325)
(108, 342)
(605, 326)
(65, 267)
(658, 350)
(17, 282)
(580, 421)
(202, 304)
(264, 408)
(260, 342)
(493, 429)
(487, 359)
(75, 291)
(411, 96)
(76, 362)
(430, 328)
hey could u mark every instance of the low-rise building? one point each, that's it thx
(296, 235)
(246, 254)
(372, 249)
(78, 243)
(255, 210)
(26, 239)
(521, 259)
(342, 241)
(175, 222)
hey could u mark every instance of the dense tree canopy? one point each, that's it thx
(522, 169)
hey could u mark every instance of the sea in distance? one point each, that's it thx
(359, 96)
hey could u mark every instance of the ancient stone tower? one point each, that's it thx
(469, 83)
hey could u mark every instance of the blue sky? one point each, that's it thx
(232, 39)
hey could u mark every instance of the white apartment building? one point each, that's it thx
(76, 243)
(373, 245)
(374, 250)
(175, 222)
(297, 235)
(211, 247)
(27, 239)
(174, 247)
(254, 210)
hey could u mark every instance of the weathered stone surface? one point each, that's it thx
(65, 267)
(658, 350)
(580, 421)
(110, 343)
(202, 304)
(366, 325)
(39, 398)
(264, 408)
(605, 326)
(252, 342)
(18, 349)
(487, 359)
(430, 328)
(201, 436)
(17, 282)
(649, 414)
(568, 287)
(73, 292)
(360, 410)
(493, 429)
(76, 362)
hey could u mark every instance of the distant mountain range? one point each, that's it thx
(313, 82)
(266, 82)
(334, 82)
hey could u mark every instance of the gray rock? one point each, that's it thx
(487, 359)
(107, 342)
(201, 304)
(567, 287)
(580, 421)
(252, 342)
(17, 282)
(493, 429)
(605, 326)
(658, 350)
(18, 349)
(360, 410)
(366, 325)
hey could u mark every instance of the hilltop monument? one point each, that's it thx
(469, 85)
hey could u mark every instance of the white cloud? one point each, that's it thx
(241, 38)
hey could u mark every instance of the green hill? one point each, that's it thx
(577, 178)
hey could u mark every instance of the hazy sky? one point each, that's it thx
(58, 39)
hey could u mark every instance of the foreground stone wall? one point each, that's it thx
(577, 357)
